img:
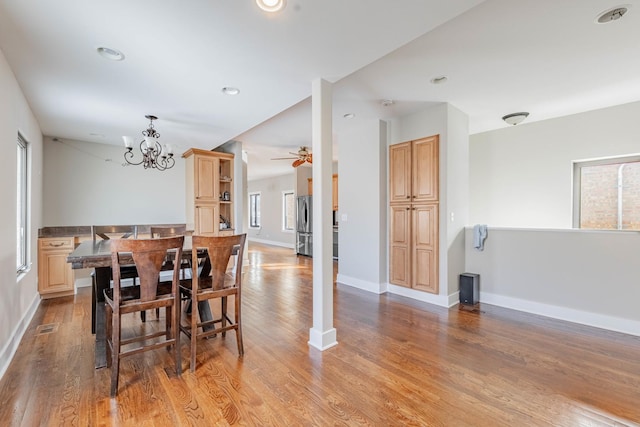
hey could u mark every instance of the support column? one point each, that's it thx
(322, 335)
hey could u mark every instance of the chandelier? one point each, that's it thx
(154, 155)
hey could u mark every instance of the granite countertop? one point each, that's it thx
(85, 230)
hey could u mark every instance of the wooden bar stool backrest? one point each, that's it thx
(218, 253)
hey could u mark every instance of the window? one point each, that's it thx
(288, 211)
(254, 210)
(22, 207)
(607, 194)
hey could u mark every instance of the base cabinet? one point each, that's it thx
(55, 276)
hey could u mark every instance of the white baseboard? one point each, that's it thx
(454, 299)
(322, 340)
(9, 350)
(376, 288)
(83, 282)
(441, 300)
(272, 242)
(626, 326)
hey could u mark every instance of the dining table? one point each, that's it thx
(97, 255)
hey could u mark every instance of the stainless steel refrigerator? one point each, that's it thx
(304, 226)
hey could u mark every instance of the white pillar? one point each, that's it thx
(322, 335)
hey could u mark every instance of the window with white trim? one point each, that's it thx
(22, 207)
(606, 194)
(254, 210)
(288, 210)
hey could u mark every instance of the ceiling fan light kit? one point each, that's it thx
(303, 155)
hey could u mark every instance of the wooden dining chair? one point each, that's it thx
(108, 232)
(215, 281)
(148, 256)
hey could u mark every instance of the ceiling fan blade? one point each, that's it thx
(297, 163)
(284, 158)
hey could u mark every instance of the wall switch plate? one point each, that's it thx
(343, 217)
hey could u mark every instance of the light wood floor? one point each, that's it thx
(398, 362)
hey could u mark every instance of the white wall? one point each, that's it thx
(362, 199)
(82, 188)
(452, 126)
(19, 299)
(271, 210)
(589, 277)
(521, 176)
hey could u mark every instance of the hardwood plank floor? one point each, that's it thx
(398, 362)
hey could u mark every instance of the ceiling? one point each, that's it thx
(546, 57)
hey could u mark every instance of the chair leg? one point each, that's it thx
(168, 314)
(108, 333)
(115, 362)
(175, 312)
(143, 316)
(194, 334)
(238, 326)
(224, 314)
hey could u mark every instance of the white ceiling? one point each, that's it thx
(547, 57)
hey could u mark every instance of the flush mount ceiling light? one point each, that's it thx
(439, 80)
(271, 5)
(227, 90)
(612, 14)
(515, 118)
(110, 54)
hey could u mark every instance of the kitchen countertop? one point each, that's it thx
(85, 230)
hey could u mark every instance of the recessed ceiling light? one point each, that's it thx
(515, 118)
(439, 80)
(227, 90)
(349, 116)
(387, 102)
(111, 54)
(271, 5)
(612, 14)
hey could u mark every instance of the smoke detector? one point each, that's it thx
(387, 102)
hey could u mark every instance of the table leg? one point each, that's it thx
(102, 281)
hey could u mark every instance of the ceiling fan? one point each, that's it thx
(303, 155)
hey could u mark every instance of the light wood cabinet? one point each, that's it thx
(414, 205)
(334, 190)
(209, 192)
(55, 276)
(400, 246)
(424, 240)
